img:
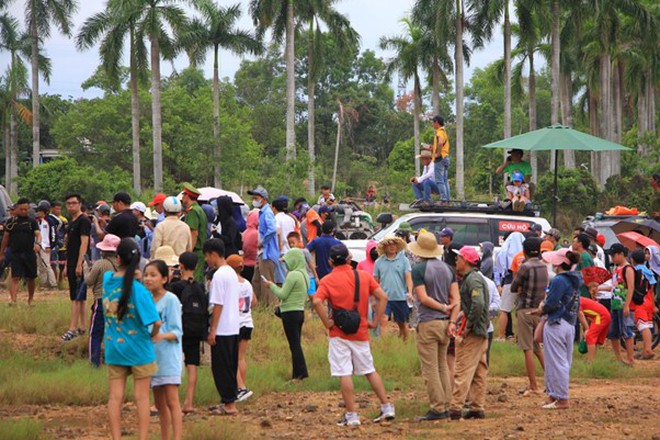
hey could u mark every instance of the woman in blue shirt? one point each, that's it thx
(129, 310)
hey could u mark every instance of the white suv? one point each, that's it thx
(470, 229)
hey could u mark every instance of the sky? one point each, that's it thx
(371, 18)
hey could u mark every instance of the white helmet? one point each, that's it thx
(172, 205)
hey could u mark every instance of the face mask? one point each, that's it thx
(374, 254)
(256, 204)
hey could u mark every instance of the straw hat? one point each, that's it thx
(388, 240)
(426, 246)
(166, 253)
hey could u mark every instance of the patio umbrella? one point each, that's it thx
(644, 226)
(556, 137)
(633, 239)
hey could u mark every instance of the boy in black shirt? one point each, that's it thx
(23, 237)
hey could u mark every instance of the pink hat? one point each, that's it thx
(109, 243)
(557, 258)
(468, 253)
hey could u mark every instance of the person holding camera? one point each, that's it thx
(515, 163)
(349, 351)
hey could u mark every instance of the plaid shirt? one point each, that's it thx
(531, 282)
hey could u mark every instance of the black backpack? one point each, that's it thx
(641, 288)
(195, 310)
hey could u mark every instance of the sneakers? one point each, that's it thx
(475, 414)
(432, 415)
(350, 419)
(386, 413)
(455, 414)
(243, 394)
(69, 335)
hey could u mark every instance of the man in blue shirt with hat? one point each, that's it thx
(268, 247)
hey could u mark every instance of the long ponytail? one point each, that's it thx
(129, 258)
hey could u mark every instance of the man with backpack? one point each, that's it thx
(642, 303)
(194, 307)
(623, 280)
(347, 292)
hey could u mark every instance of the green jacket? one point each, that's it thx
(293, 292)
(474, 303)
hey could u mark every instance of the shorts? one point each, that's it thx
(508, 299)
(191, 350)
(138, 371)
(24, 265)
(398, 310)
(62, 258)
(350, 357)
(77, 286)
(245, 334)
(621, 326)
(597, 333)
(159, 381)
(526, 325)
(644, 316)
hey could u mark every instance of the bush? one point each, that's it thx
(53, 180)
(577, 193)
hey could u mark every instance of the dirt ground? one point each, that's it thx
(600, 409)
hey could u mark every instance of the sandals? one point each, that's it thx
(69, 335)
(529, 392)
(187, 412)
(220, 410)
(553, 406)
(644, 357)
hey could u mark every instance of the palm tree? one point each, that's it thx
(280, 16)
(152, 18)
(407, 60)
(19, 46)
(346, 39)
(214, 31)
(39, 15)
(106, 27)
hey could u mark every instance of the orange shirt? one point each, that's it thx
(312, 230)
(518, 259)
(338, 287)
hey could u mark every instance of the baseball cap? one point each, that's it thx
(339, 254)
(259, 191)
(104, 209)
(517, 176)
(535, 227)
(324, 209)
(172, 204)
(139, 206)
(546, 246)
(468, 253)
(235, 261)
(532, 246)
(553, 232)
(158, 199)
(43, 207)
(122, 197)
(447, 232)
(618, 248)
(600, 239)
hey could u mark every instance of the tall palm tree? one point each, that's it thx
(347, 40)
(214, 31)
(280, 16)
(153, 18)
(112, 31)
(407, 60)
(39, 16)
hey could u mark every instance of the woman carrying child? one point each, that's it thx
(129, 310)
(165, 382)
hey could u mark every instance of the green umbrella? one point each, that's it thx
(556, 137)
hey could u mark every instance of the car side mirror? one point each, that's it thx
(384, 218)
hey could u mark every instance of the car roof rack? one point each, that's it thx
(468, 206)
(601, 216)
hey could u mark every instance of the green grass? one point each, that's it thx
(46, 371)
(23, 429)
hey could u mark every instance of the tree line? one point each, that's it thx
(602, 76)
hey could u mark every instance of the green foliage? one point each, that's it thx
(53, 180)
(24, 429)
(577, 192)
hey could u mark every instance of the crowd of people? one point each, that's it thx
(187, 274)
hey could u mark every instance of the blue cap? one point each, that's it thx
(447, 232)
(517, 176)
(282, 198)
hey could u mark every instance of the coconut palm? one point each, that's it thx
(19, 47)
(111, 32)
(316, 12)
(407, 61)
(279, 16)
(40, 15)
(214, 31)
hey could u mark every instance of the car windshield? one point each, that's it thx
(391, 229)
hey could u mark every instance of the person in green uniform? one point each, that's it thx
(196, 219)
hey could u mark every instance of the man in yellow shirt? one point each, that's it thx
(440, 156)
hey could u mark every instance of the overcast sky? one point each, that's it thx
(371, 18)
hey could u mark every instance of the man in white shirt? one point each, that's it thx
(425, 185)
(225, 326)
(46, 273)
(285, 223)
